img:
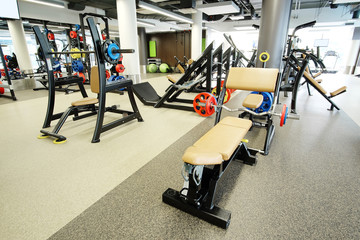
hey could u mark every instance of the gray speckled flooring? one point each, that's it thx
(306, 188)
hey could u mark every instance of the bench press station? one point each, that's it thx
(208, 158)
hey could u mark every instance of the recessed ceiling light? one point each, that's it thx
(218, 8)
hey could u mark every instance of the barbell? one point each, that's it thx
(110, 49)
(205, 105)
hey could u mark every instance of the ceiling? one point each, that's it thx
(246, 13)
(249, 11)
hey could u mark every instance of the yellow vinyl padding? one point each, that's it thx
(252, 79)
(221, 140)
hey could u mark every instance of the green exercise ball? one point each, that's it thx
(152, 68)
(164, 68)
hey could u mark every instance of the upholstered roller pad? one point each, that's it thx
(336, 92)
(85, 101)
(198, 156)
(253, 100)
(252, 79)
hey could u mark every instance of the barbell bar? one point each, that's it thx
(114, 51)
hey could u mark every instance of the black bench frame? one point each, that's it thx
(199, 200)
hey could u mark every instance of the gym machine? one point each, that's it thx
(6, 85)
(199, 72)
(108, 51)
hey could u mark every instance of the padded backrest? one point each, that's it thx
(314, 82)
(94, 80)
(252, 79)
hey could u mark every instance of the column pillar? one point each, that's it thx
(126, 13)
(353, 53)
(17, 33)
(196, 33)
(143, 52)
(274, 25)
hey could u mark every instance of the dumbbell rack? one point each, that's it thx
(7, 76)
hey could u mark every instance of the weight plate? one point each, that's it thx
(120, 68)
(210, 105)
(107, 73)
(199, 103)
(75, 55)
(108, 46)
(283, 112)
(112, 78)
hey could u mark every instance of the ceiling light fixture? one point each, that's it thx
(218, 8)
(236, 18)
(243, 28)
(58, 5)
(146, 24)
(164, 12)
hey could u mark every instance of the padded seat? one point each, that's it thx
(314, 82)
(253, 100)
(172, 78)
(222, 140)
(337, 92)
(85, 101)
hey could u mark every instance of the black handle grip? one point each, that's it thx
(123, 50)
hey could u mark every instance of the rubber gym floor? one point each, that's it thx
(306, 188)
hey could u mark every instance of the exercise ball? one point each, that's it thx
(152, 68)
(164, 68)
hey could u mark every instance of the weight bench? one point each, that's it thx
(204, 164)
(310, 80)
(88, 104)
(264, 82)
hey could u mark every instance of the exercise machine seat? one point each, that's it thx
(200, 156)
(313, 81)
(222, 139)
(252, 79)
(172, 79)
(253, 100)
(317, 74)
(320, 88)
(336, 92)
(85, 101)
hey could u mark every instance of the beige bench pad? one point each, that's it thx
(85, 101)
(199, 156)
(313, 81)
(252, 79)
(336, 92)
(222, 139)
(253, 100)
(172, 78)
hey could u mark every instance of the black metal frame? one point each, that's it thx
(52, 84)
(203, 65)
(8, 79)
(104, 88)
(199, 200)
(292, 65)
(82, 16)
